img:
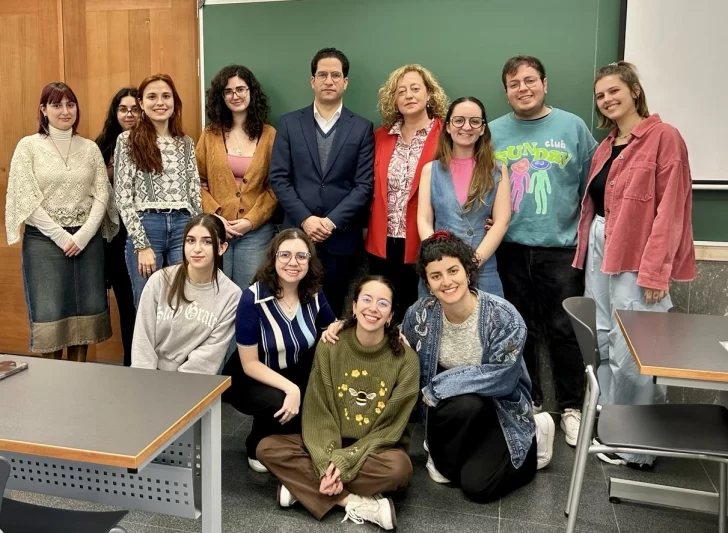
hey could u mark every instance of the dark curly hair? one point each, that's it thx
(106, 141)
(444, 244)
(326, 53)
(309, 286)
(391, 330)
(219, 116)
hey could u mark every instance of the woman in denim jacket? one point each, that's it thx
(476, 392)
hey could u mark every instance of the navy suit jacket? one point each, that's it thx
(342, 191)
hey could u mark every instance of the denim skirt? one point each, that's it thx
(66, 296)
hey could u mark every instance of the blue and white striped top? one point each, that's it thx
(280, 340)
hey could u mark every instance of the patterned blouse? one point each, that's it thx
(400, 174)
(176, 187)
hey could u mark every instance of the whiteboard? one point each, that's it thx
(679, 47)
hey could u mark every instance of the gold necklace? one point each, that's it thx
(289, 306)
(238, 150)
(68, 153)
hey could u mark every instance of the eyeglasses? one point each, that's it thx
(530, 82)
(382, 304)
(335, 76)
(285, 257)
(123, 110)
(459, 122)
(240, 91)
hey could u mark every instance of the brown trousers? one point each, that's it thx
(286, 457)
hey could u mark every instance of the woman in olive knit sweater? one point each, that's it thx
(360, 395)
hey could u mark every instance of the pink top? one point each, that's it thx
(461, 171)
(239, 166)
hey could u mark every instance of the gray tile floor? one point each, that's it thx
(249, 499)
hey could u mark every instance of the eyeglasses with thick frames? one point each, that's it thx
(285, 256)
(382, 304)
(123, 110)
(240, 91)
(459, 122)
(335, 76)
(529, 82)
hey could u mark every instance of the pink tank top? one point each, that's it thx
(239, 166)
(461, 171)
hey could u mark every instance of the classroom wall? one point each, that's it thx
(97, 47)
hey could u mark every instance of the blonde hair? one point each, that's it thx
(387, 96)
(483, 153)
(626, 72)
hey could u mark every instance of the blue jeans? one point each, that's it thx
(164, 232)
(245, 254)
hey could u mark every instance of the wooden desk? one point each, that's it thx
(63, 420)
(678, 349)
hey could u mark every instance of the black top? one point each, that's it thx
(599, 183)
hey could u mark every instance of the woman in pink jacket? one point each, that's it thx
(635, 231)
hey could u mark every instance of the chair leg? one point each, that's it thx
(587, 426)
(722, 497)
(584, 439)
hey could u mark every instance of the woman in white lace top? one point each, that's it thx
(156, 184)
(59, 189)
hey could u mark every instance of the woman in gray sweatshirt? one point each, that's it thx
(186, 315)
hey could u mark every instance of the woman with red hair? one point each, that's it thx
(58, 188)
(157, 186)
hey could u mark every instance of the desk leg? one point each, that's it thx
(212, 470)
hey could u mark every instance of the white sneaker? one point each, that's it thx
(285, 498)
(257, 466)
(435, 474)
(570, 422)
(377, 510)
(545, 431)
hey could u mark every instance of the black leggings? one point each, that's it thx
(466, 443)
(262, 402)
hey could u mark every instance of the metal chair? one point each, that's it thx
(21, 517)
(671, 430)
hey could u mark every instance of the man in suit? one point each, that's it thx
(322, 171)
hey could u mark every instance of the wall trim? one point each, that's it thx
(711, 251)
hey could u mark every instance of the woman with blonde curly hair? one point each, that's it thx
(412, 105)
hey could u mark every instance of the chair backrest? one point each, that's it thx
(582, 312)
(4, 475)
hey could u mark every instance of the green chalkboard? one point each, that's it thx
(463, 42)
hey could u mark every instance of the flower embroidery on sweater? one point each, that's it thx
(358, 402)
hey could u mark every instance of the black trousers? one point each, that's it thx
(339, 270)
(403, 276)
(117, 277)
(466, 443)
(536, 281)
(262, 402)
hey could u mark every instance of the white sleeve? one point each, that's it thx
(91, 226)
(143, 354)
(48, 227)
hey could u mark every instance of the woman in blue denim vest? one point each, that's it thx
(464, 187)
(476, 394)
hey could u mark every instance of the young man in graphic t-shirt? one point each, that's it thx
(548, 152)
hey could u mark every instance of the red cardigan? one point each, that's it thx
(384, 143)
(648, 203)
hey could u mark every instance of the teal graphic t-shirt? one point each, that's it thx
(548, 163)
